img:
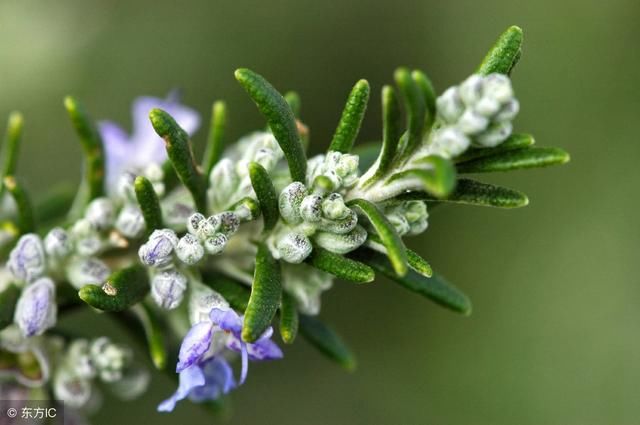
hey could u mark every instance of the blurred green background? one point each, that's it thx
(554, 335)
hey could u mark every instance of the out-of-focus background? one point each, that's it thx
(554, 334)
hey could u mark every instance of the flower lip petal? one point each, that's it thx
(228, 320)
(264, 349)
(190, 378)
(194, 345)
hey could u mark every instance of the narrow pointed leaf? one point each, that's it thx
(266, 193)
(534, 157)
(368, 153)
(396, 250)
(473, 192)
(26, 221)
(148, 203)
(289, 319)
(293, 100)
(327, 341)
(236, 293)
(122, 290)
(351, 119)
(8, 300)
(266, 294)
(215, 141)
(439, 179)
(15, 125)
(181, 155)
(93, 182)
(279, 117)
(414, 260)
(154, 333)
(504, 54)
(416, 111)
(515, 141)
(340, 266)
(428, 93)
(435, 288)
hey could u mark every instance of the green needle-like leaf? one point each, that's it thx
(181, 155)
(439, 179)
(148, 203)
(93, 183)
(473, 192)
(515, 141)
(428, 92)
(289, 319)
(8, 300)
(416, 108)
(504, 54)
(351, 119)
(327, 342)
(533, 157)
(293, 99)
(435, 288)
(154, 332)
(236, 293)
(215, 141)
(419, 264)
(26, 221)
(266, 193)
(12, 139)
(266, 294)
(122, 290)
(396, 250)
(339, 266)
(280, 118)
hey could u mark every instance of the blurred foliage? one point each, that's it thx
(553, 338)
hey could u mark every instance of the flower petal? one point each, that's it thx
(218, 380)
(194, 345)
(264, 349)
(228, 320)
(190, 378)
(117, 149)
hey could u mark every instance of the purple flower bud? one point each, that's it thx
(158, 249)
(168, 287)
(27, 260)
(57, 244)
(189, 250)
(87, 271)
(36, 308)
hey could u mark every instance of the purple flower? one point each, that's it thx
(36, 308)
(197, 342)
(126, 152)
(208, 380)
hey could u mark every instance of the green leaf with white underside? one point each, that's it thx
(473, 192)
(435, 288)
(351, 119)
(504, 54)
(148, 203)
(266, 294)
(122, 290)
(289, 320)
(396, 250)
(327, 341)
(181, 156)
(414, 260)
(415, 106)
(515, 141)
(154, 333)
(428, 92)
(340, 266)
(533, 157)
(266, 193)
(436, 174)
(280, 118)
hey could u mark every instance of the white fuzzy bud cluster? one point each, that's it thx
(477, 112)
(306, 284)
(341, 169)
(230, 181)
(85, 362)
(310, 214)
(408, 218)
(125, 184)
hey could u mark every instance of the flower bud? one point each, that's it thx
(449, 142)
(70, 388)
(208, 227)
(494, 135)
(334, 208)
(27, 260)
(87, 271)
(415, 210)
(306, 284)
(342, 226)
(498, 86)
(472, 123)
(125, 186)
(110, 359)
(449, 105)
(347, 169)
(418, 226)
(36, 308)
(158, 249)
(202, 300)
(189, 250)
(311, 208)
(100, 213)
(193, 223)
(400, 223)
(168, 287)
(215, 244)
(154, 172)
(80, 358)
(130, 221)
(289, 202)
(267, 158)
(294, 247)
(508, 111)
(229, 222)
(470, 90)
(176, 211)
(57, 244)
(223, 182)
(341, 244)
(487, 106)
